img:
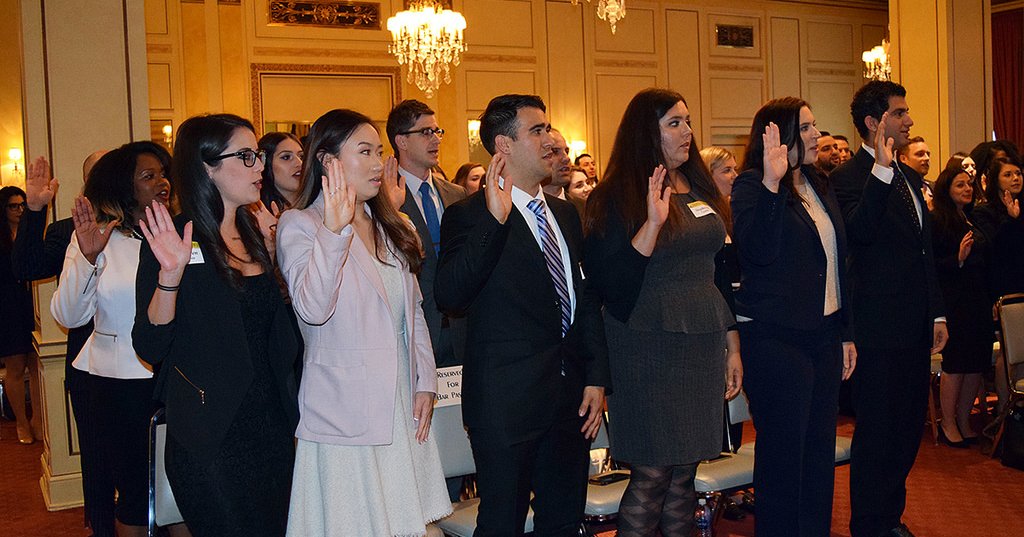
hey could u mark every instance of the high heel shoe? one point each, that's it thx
(25, 435)
(945, 440)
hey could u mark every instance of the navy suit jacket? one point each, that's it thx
(782, 260)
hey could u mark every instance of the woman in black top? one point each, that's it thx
(999, 219)
(16, 310)
(211, 315)
(793, 321)
(653, 228)
(962, 264)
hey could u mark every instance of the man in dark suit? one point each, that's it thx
(897, 314)
(416, 139)
(37, 258)
(536, 366)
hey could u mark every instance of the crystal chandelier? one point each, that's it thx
(610, 10)
(876, 62)
(427, 39)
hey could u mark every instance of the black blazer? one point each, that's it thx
(1006, 240)
(782, 261)
(448, 348)
(37, 258)
(896, 295)
(205, 348)
(496, 275)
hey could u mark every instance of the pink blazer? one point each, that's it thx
(347, 394)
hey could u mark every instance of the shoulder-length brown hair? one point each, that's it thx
(326, 137)
(635, 154)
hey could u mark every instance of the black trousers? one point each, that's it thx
(97, 481)
(553, 465)
(792, 378)
(121, 409)
(890, 396)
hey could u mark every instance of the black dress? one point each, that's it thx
(244, 490)
(967, 292)
(15, 310)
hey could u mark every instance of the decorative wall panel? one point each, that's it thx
(829, 43)
(327, 13)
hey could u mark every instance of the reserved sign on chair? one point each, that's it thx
(449, 386)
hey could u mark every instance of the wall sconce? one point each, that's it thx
(15, 155)
(168, 131)
(576, 148)
(876, 62)
(473, 126)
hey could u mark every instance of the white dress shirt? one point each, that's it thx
(520, 199)
(105, 293)
(414, 183)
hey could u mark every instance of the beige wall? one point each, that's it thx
(202, 55)
(10, 93)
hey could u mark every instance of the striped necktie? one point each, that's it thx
(553, 258)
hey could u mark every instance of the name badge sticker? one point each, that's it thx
(699, 208)
(196, 257)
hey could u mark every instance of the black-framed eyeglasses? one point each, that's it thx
(427, 132)
(247, 155)
(17, 206)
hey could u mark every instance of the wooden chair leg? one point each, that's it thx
(933, 417)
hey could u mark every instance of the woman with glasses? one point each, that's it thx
(16, 328)
(210, 313)
(97, 283)
(282, 175)
(365, 463)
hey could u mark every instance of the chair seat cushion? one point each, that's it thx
(462, 521)
(732, 470)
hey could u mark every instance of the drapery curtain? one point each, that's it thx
(1008, 75)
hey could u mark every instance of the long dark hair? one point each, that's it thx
(635, 154)
(200, 140)
(110, 187)
(994, 194)
(785, 113)
(268, 191)
(462, 175)
(326, 137)
(6, 235)
(945, 215)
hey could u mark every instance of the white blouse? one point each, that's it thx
(104, 292)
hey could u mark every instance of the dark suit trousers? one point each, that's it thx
(792, 380)
(553, 465)
(890, 396)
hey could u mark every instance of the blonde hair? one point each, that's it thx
(714, 156)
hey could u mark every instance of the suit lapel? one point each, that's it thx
(367, 265)
(413, 212)
(448, 194)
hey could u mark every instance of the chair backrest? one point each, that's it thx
(739, 409)
(163, 510)
(452, 441)
(1011, 320)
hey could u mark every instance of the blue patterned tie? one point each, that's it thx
(553, 258)
(430, 215)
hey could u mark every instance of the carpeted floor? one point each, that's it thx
(953, 493)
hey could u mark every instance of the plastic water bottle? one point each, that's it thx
(702, 518)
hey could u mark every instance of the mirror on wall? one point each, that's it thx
(290, 97)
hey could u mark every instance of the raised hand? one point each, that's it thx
(266, 219)
(339, 198)
(659, 197)
(39, 186)
(499, 197)
(965, 246)
(883, 145)
(776, 157)
(392, 183)
(171, 250)
(92, 237)
(1012, 205)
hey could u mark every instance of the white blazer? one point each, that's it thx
(104, 292)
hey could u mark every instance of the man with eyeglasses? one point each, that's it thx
(415, 137)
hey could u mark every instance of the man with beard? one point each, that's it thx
(828, 154)
(561, 172)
